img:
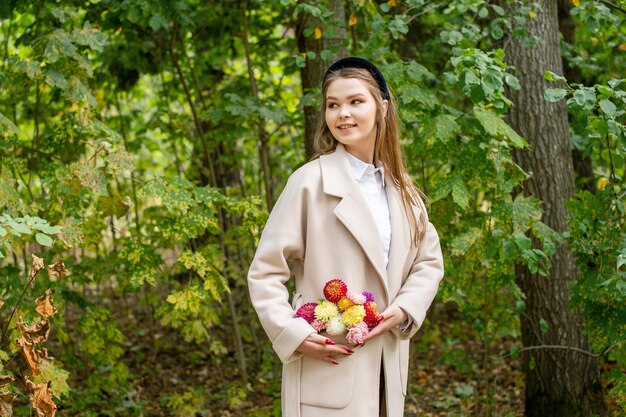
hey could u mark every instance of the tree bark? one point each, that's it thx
(582, 166)
(559, 382)
(315, 68)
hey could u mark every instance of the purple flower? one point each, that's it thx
(368, 296)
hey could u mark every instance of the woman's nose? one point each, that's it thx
(343, 112)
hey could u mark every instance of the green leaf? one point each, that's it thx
(93, 37)
(551, 76)
(91, 178)
(43, 239)
(20, 228)
(46, 228)
(621, 287)
(326, 54)
(7, 127)
(51, 371)
(608, 107)
(3, 232)
(552, 95)
(543, 326)
(512, 81)
(460, 193)
(462, 243)
(79, 92)
(56, 79)
(495, 126)
(496, 32)
(524, 212)
(499, 10)
(442, 127)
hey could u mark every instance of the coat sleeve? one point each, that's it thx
(419, 289)
(283, 238)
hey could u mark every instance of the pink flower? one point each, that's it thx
(307, 312)
(356, 334)
(356, 297)
(318, 325)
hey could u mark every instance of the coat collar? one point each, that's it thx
(352, 211)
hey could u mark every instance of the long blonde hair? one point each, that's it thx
(387, 148)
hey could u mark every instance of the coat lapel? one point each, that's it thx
(352, 211)
(400, 244)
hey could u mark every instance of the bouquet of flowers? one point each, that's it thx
(342, 311)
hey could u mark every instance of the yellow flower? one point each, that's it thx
(602, 182)
(344, 303)
(326, 310)
(354, 315)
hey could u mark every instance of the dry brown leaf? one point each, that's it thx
(44, 305)
(6, 404)
(353, 20)
(57, 270)
(43, 353)
(28, 350)
(36, 333)
(4, 380)
(42, 398)
(36, 266)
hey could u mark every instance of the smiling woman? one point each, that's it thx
(350, 115)
(352, 213)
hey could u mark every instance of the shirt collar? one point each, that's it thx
(360, 168)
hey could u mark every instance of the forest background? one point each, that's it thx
(142, 143)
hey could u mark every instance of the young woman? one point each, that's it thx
(351, 213)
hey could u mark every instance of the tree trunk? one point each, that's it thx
(314, 70)
(582, 166)
(559, 382)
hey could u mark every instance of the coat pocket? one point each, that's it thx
(323, 384)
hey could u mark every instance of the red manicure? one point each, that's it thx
(380, 318)
(335, 362)
(329, 342)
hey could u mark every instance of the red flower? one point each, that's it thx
(334, 290)
(371, 314)
(307, 312)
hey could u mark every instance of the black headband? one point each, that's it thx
(356, 62)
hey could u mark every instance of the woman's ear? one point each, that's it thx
(385, 104)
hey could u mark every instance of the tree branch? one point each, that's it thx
(613, 6)
(570, 348)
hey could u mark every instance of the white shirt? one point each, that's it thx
(371, 181)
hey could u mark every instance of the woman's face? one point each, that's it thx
(351, 116)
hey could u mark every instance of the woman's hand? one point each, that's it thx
(319, 347)
(389, 318)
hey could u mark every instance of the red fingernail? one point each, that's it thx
(381, 318)
(335, 362)
(329, 342)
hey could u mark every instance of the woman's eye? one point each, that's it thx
(332, 105)
(356, 101)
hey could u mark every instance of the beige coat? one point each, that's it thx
(322, 222)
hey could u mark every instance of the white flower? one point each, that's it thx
(335, 326)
